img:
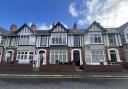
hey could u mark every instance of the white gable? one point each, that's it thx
(59, 29)
(126, 30)
(25, 30)
(94, 28)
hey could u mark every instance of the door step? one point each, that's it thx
(77, 68)
(36, 69)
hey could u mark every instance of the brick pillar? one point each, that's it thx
(69, 54)
(48, 56)
(106, 55)
(121, 54)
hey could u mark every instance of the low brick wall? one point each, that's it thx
(103, 68)
(57, 68)
(16, 67)
(125, 65)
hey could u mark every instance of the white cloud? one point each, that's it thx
(72, 9)
(110, 13)
(43, 26)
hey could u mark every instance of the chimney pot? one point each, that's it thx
(33, 27)
(13, 28)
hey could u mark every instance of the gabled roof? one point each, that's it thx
(24, 25)
(122, 27)
(98, 24)
(3, 31)
(42, 32)
(76, 31)
(112, 30)
(57, 24)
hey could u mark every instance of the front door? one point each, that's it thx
(41, 56)
(113, 56)
(76, 57)
(9, 56)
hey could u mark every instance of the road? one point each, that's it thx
(27, 83)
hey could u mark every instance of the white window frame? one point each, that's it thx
(89, 57)
(58, 54)
(27, 60)
(77, 38)
(57, 38)
(93, 35)
(43, 41)
(113, 38)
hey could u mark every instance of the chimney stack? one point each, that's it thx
(53, 24)
(75, 26)
(33, 27)
(13, 28)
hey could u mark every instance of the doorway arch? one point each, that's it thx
(76, 57)
(42, 56)
(9, 55)
(113, 55)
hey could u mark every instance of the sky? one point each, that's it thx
(109, 13)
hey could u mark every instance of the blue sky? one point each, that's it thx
(36, 11)
(110, 13)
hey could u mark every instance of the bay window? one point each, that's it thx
(76, 40)
(31, 56)
(112, 40)
(97, 56)
(94, 56)
(43, 41)
(95, 38)
(25, 56)
(59, 39)
(58, 55)
(24, 40)
(12, 42)
(2, 40)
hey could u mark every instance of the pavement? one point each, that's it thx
(86, 75)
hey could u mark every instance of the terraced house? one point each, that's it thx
(59, 45)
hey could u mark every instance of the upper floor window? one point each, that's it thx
(12, 42)
(2, 41)
(76, 40)
(59, 39)
(95, 38)
(127, 36)
(112, 40)
(43, 41)
(24, 40)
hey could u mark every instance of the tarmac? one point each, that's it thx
(84, 75)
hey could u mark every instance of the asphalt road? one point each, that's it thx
(20, 83)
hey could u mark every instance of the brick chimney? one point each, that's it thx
(13, 28)
(33, 27)
(75, 26)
